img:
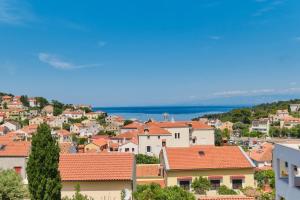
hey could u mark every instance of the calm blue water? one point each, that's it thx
(156, 112)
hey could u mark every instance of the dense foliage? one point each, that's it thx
(224, 190)
(246, 115)
(42, 167)
(145, 159)
(155, 192)
(42, 102)
(265, 177)
(24, 100)
(284, 132)
(201, 185)
(11, 186)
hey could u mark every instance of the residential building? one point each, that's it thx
(152, 138)
(7, 99)
(48, 110)
(12, 125)
(37, 120)
(3, 130)
(63, 135)
(226, 165)
(290, 122)
(57, 121)
(14, 155)
(132, 127)
(75, 128)
(94, 115)
(73, 114)
(149, 173)
(261, 125)
(2, 117)
(100, 175)
(129, 147)
(97, 145)
(286, 164)
(294, 107)
(261, 155)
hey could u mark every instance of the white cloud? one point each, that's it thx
(15, 12)
(58, 63)
(101, 43)
(215, 37)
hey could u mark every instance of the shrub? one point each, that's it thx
(201, 185)
(224, 190)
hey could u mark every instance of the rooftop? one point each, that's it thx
(207, 157)
(96, 167)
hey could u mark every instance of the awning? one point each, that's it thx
(237, 177)
(185, 178)
(215, 177)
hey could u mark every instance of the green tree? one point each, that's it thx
(11, 186)
(145, 159)
(265, 177)
(177, 193)
(224, 190)
(155, 192)
(42, 102)
(201, 185)
(66, 126)
(218, 137)
(5, 105)
(127, 121)
(42, 167)
(78, 195)
(57, 107)
(24, 100)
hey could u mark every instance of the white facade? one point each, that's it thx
(129, 147)
(295, 107)
(261, 125)
(286, 164)
(202, 137)
(152, 144)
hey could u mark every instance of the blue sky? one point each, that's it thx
(121, 53)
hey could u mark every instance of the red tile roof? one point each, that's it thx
(96, 167)
(174, 124)
(225, 197)
(199, 125)
(127, 135)
(63, 132)
(207, 157)
(133, 125)
(148, 170)
(262, 153)
(12, 148)
(100, 142)
(153, 130)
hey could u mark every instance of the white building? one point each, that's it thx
(261, 125)
(294, 107)
(286, 164)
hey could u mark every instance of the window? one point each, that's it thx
(163, 143)
(286, 164)
(148, 137)
(177, 135)
(185, 184)
(158, 137)
(18, 170)
(132, 150)
(148, 149)
(237, 184)
(126, 149)
(194, 140)
(215, 184)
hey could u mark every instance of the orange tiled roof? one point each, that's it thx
(63, 132)
(100, 142)
(65, 147)
(175, 124)
(262, 154)
(207, 157)
(96, 167)
(127, 135)
(199, 125)
(14, 148)
(133, 125)
(153, 130)
(225, 197)
(148, 170)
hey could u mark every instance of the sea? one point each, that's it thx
(159, 112)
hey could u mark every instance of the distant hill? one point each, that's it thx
(247, 114)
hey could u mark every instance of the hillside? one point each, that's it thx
(247, 114)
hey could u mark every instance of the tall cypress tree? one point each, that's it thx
(42, 167)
